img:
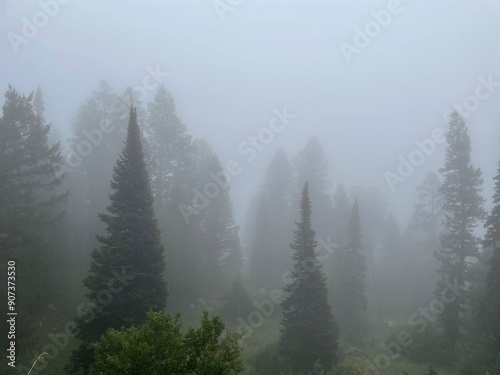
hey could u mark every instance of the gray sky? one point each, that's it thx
(228, 75)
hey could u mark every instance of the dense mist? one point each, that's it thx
(313, 187)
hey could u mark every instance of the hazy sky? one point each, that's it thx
(228, 75)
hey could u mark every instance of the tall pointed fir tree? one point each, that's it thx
(218, 243)
(30, 207)
(463, 209)
(99, 129)
(54, 135)
(492, 239)
(309, 330)
(428, 212)
(126, 274)
(270, 251)
(170, 146)
(349, 298)
(311, 166)
(421, 239)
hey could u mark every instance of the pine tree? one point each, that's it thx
(309, 331)
(277, 191)
(54, 135)
(349, 298)
(421, 239)
(30, 208)
(428, 212)
(269, 250)
(311, 166)
(220, 255)
(89, 162)
(492, 239)
(463, 209)
(170, 146)
(132, 248)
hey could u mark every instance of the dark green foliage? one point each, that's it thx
(131, 248)
(485, 354)
(30, 209)
(349, 272)
(309, 331)
(159, 347)
(463, 208)
(492, 239)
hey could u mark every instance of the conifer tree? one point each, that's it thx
(309, 331)
(98, 133)
(428, 212)
(492, 239)
(270, 252)
(30, 207)
(349, 298)
(132, 250)
(220, 255)
(311, 166)
(463, 209)
(170, 146)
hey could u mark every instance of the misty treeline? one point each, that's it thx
(130, 221)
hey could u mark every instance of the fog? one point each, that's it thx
(227, 76)
(235, 68)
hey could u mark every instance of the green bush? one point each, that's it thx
(160, 347)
